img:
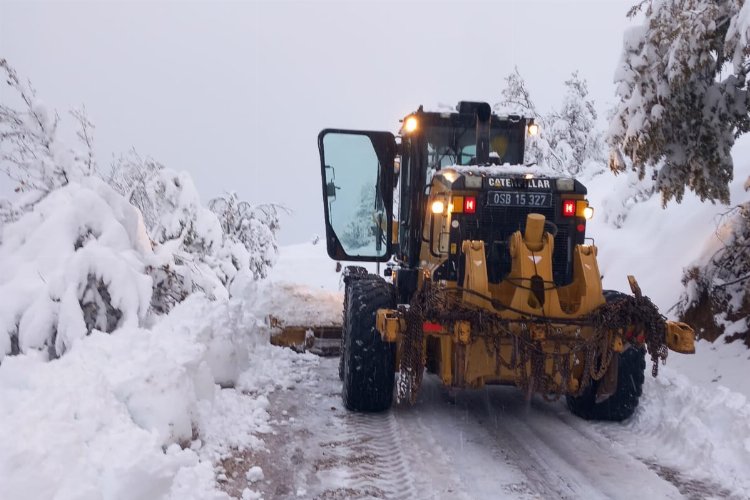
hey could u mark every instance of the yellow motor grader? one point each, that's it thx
(492, 280)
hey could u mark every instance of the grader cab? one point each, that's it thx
(492, 279)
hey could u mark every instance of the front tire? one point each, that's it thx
(368, 362)
(631, 365)
(350, 274)
(622, 404)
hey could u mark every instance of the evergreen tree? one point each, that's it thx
(572, 134)
(360, 231)
(682, 90)
(516, 99)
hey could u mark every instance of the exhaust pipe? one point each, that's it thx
(483, 114)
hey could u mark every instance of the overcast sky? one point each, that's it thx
(236, 93)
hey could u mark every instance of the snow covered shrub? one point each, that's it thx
(716, 299)
(187, 236)
(31, 152)
(254, 227)
(73, 264)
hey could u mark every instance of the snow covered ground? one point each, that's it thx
(200, 406)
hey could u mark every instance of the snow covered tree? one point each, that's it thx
(571, 131)
(568, 140)
(31, 152)
(683, 95)
(516, 99)
(255, 227)
(360, 230)
(132, 176)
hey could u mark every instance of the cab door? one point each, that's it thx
(357, 174)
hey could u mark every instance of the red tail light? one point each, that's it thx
(470, 204)
(569, 208)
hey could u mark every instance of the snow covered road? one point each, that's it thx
(489, 444)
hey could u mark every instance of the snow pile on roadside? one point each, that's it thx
(96, 422)
(136, 413)
(704, 433)
(715, 364)
(74, 263)
(307, 264)
(303, 289)
(300, 305)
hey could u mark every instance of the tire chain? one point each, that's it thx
(445, 306)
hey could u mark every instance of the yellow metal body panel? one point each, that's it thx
(475, 277)
(389, 324)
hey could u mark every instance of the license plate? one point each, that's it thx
(518, 199)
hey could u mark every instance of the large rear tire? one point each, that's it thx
(368, 362)
(631, 365)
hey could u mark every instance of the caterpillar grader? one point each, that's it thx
(490, 278)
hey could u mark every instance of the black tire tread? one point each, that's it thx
(630, 379)
(369, 363)
(350, 274)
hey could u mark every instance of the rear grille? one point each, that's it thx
(495, 225)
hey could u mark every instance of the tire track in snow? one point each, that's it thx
(558, 460)
(366, 460)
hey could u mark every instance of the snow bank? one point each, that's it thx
(74, 263)
(715, 364)
(136, 413)
(703, 433)
(304, 288)
(308, 264)
(102, 421)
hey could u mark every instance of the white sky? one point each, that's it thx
(236, 93)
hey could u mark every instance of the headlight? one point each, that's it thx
(438, 207)
(410, 125)
(533, 129)
(588, 212)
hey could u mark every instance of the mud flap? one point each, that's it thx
(608, 383)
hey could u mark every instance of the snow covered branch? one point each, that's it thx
(569, 141)
(31, 153)
(683, 95)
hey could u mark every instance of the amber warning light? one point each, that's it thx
(470, 205)
(569, 208)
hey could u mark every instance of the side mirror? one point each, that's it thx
(331, 190)
(331, 186)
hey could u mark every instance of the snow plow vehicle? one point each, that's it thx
(492, 278)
